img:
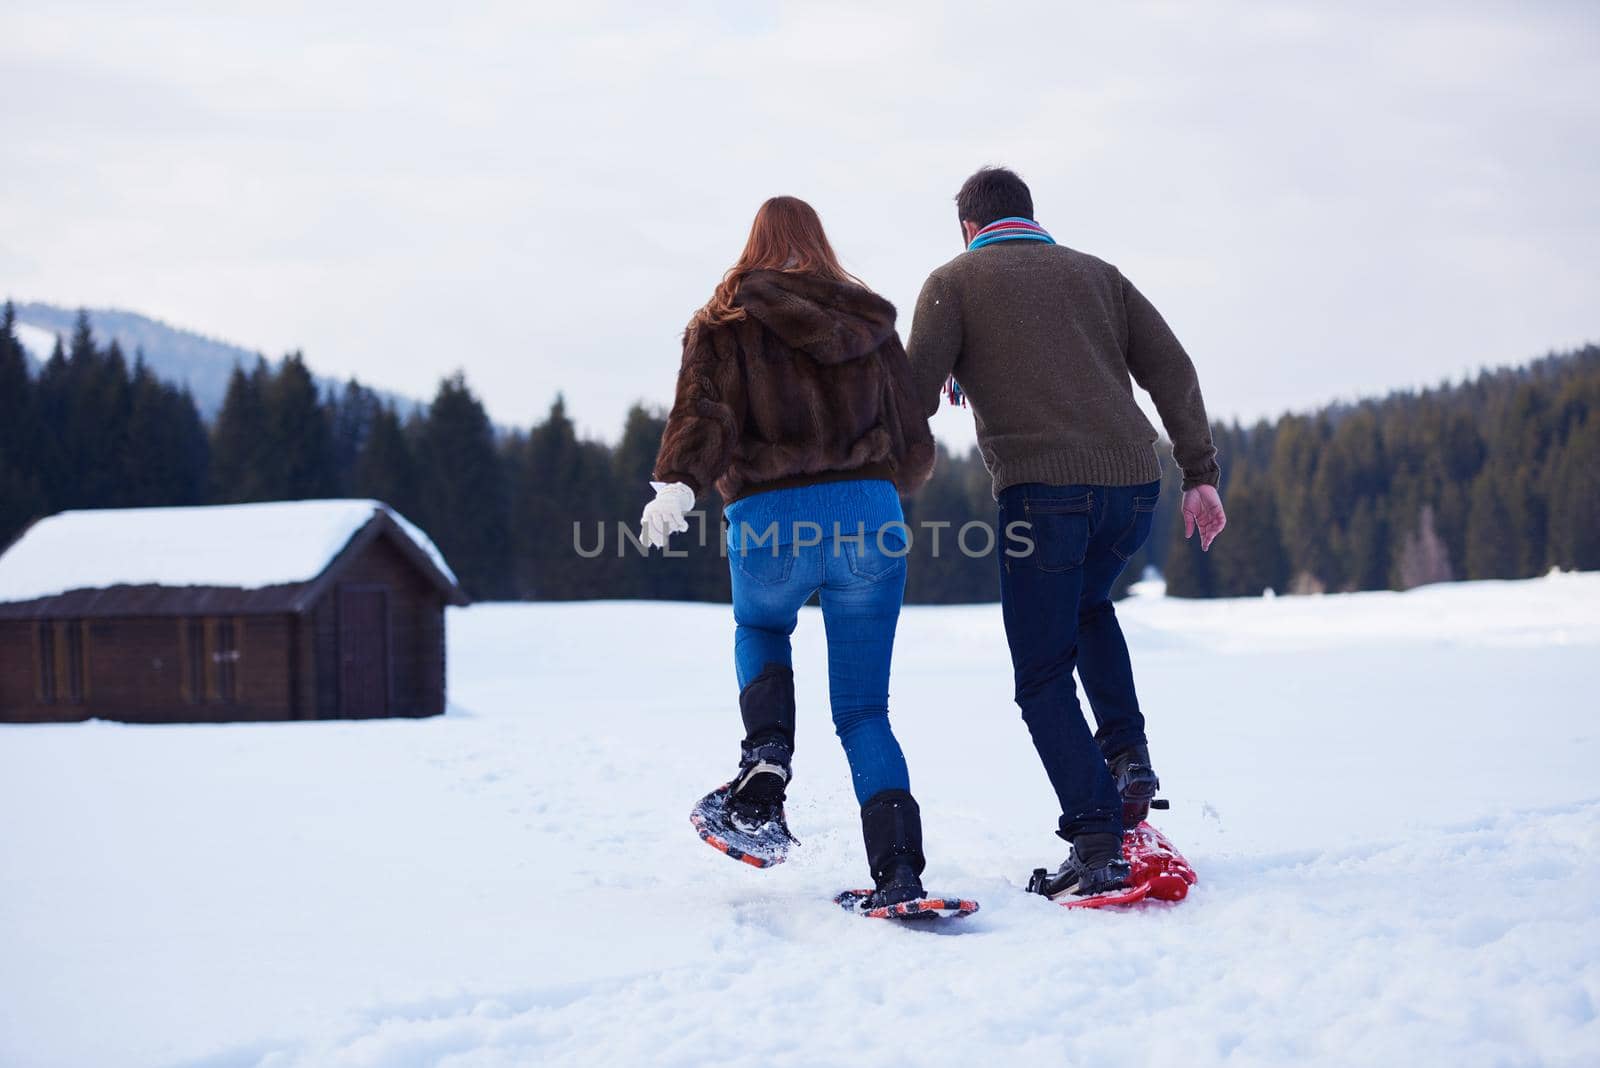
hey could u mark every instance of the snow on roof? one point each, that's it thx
(233, 545)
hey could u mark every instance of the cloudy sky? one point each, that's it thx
(1325, 200)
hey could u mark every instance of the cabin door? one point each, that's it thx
(363, 651)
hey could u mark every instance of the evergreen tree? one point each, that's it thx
(16, 395)
(1189, 570)
(239, 440)
(560, 482)
(1456, 451)
(51, 461)
(350, 419)
(385, 469)
(1248, 558)
(464, 500)
(105, 404)
(21, 500)
(1493, 551)
(81, 350)
(1575, 498)
(298, 460)
(168, 453)
(1364, 545)
(939, 570)
(1498, 477)
(1352, 474)
(1305, 519)
(73, 451)
(83, 417)
(544, 465)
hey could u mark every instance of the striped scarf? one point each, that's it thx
(1012, 228)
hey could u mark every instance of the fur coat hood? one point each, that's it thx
(829, 321)
(811, 385)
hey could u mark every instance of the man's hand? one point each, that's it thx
(1202, 508)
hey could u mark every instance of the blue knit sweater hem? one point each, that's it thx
(836, 508)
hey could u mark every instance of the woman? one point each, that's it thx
(794, 400)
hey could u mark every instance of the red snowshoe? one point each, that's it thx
(1157, 871)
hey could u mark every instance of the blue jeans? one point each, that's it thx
(860, 583)
(1056, 601)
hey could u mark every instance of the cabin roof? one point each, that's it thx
(271, 557)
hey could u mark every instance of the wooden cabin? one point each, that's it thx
(276, 611)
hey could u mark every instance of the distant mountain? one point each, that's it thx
(176, 355)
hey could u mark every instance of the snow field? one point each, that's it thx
(1391, 801)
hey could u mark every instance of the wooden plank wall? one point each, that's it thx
(416, 646)
(138, 669)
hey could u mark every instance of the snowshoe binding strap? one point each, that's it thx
(1074, 878)
(762, 768)
(1136, 783)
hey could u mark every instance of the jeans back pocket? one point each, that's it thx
(878, 555)
(1059, 529)
(1133, 539)
(766, 565)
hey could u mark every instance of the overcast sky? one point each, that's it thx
(1325, 200)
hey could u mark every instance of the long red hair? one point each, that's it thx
(787, 235)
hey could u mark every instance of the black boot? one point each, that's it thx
(891, 827)
(1095, 866)
(1136, 783)
(756, 793)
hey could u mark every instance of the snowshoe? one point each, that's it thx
(758, 843)
(926, 907)
(1156, 861)
(744, 818)
(1155, 870)
(891, 829)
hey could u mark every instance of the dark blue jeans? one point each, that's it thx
(1056, 600)
(860, 581)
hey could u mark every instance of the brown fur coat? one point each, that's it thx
(812, 382)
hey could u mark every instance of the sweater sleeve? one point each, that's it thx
(935, 343)
(1161, 367)
(707, 412)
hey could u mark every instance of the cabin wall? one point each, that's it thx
(415, 639)
(164, 669)
(147, 670)
(431, 654)
(305, 668)
(264, 682)
(20, 684)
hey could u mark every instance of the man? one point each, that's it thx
(1043, 340)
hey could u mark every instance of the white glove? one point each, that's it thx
(664, 515)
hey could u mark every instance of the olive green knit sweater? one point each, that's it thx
(1043, 340)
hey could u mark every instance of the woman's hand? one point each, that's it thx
(1202, 508)
(664, 515)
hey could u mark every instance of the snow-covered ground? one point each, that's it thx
(1391, 799)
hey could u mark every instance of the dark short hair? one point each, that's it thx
(994, 193)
